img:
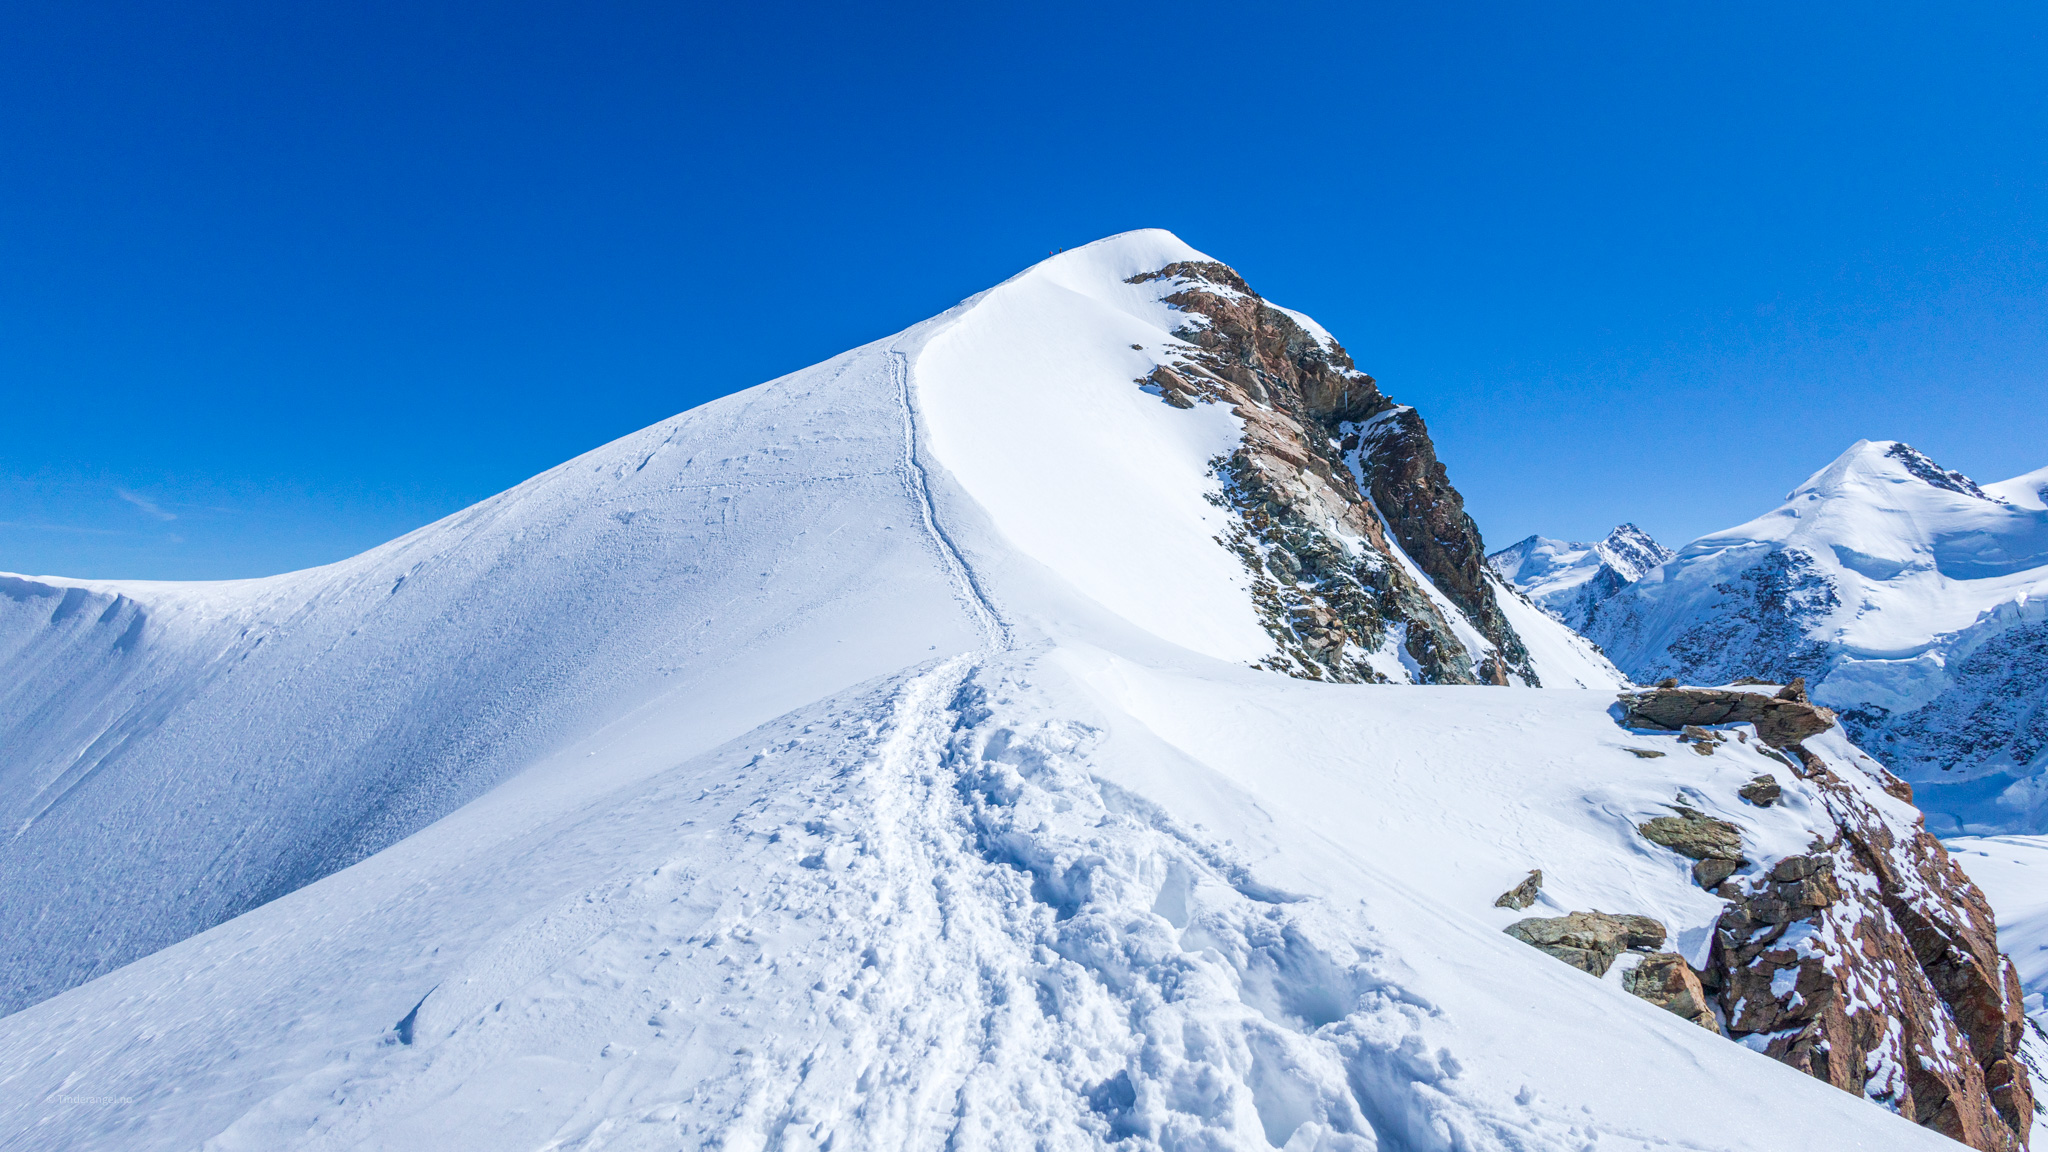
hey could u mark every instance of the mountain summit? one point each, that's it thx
(1083, 719)
(1913, 599)
(1569, 581)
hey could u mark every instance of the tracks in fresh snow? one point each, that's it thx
(993, 627)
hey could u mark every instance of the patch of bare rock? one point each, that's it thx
(1870, 960)
(1331, 481)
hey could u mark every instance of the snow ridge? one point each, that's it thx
(741, 813)
(986, 615)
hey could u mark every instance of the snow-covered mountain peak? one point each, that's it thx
(1631, 551)
(1909, 595)
(891, 756)
(1870, 466)
(1569, 580)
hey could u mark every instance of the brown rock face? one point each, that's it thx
(1427, 515)
(1869, 961)
(1322, 446)
(1666, 980)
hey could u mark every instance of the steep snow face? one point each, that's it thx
(1915, 601)
(1569, 581)
(180, 753)
(1033, 408)
(779, 777)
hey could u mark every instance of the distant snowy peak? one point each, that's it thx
(1871, 465)
(1914, 599)
(1632, 552)
(2028, 491)
(1570, 580)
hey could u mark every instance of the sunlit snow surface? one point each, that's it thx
(846, 764)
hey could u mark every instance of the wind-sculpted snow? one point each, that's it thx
(1913, 599)
(180, 753)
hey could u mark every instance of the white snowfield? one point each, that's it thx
(1904, 593)
(868, 760)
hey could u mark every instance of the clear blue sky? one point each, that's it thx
(281, 281)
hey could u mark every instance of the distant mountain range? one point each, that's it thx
(1912, 599)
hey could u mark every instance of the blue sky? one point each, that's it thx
(280, 282)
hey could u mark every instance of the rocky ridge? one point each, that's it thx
(1365, 567)
(1869, 960)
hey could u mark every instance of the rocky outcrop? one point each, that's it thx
(1666, 980)
(1592, 941)
(1342, 510)
(1869, 960)
(1588, 941)
(1715, 844)
(1781, 721)
(1524, 894)
(1763, 791)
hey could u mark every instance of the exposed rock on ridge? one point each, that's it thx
(1343, 511)
(1870, 961)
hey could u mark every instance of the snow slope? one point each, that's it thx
(179, 753)
(852, 763)
(1914, 601)
(1571, 580)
